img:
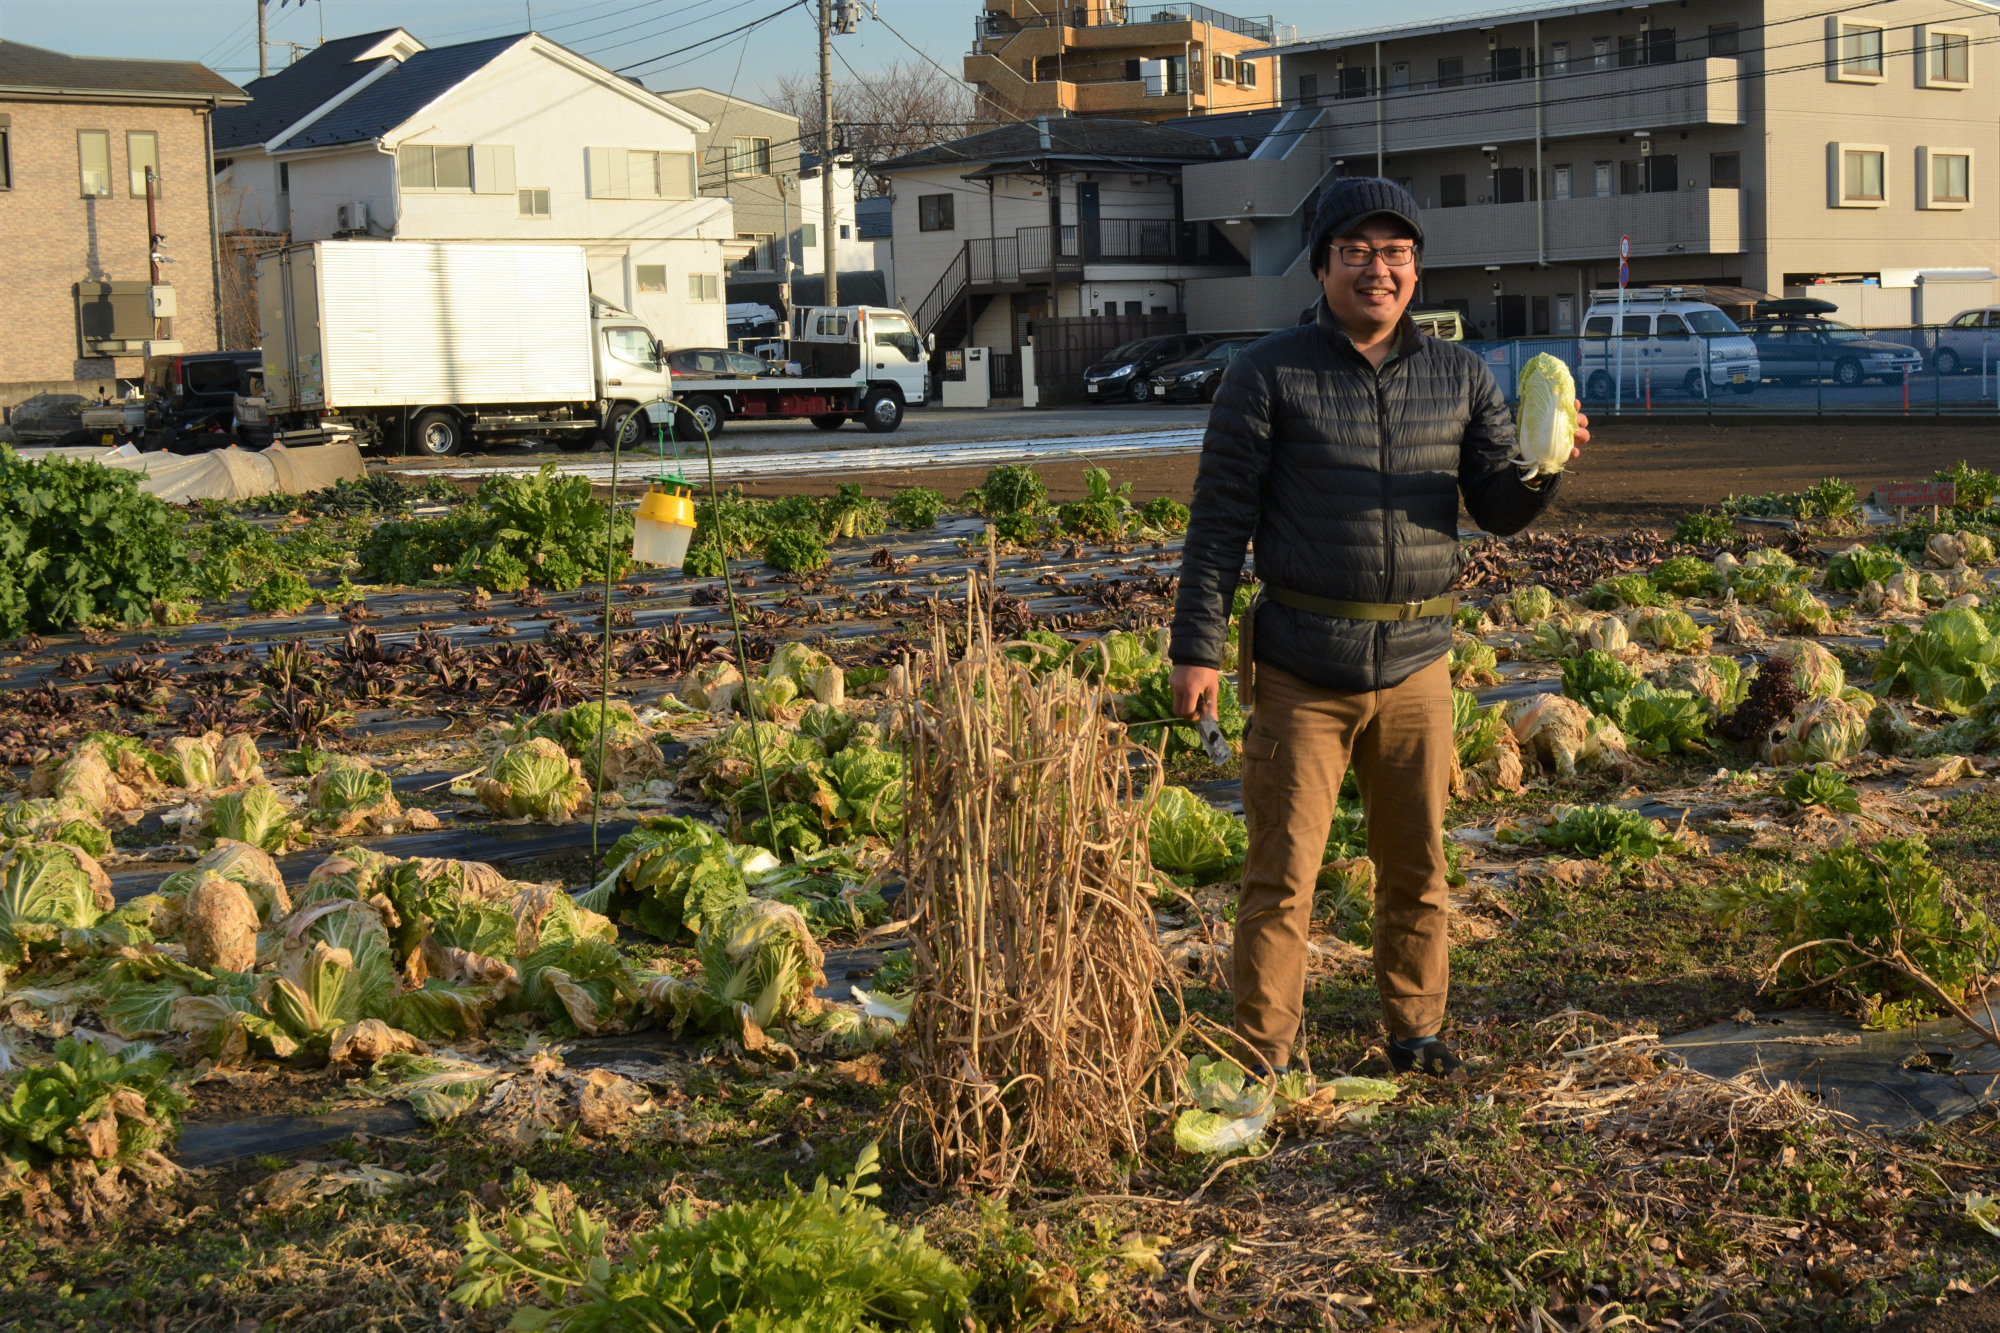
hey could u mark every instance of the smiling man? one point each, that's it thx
(1339, 450)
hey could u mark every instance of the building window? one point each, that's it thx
(1631, 177)
(749, 156)
(1451, 192)
(1857, 50)
(1725, 171)
(1862, 181)
(1601, 180)
(1225, 69)
(1246, 74)
(1559, 58)
(933, 213)
(1600, 53)
(846, 232)
(1451, 71)
(1946, 174)
(762, 256)
(534, 203)
(1944, 59)
(704, 287)
(651, 277)
(1559, 182)
(142, 150)
(1309, 90)
(809, 231)
(423, 166)
(1724, 39)
(284, 178)
(93, 159)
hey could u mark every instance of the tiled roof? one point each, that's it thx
(400, 94)
(32, 69)
(284, 98)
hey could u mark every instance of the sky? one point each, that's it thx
(615, 33)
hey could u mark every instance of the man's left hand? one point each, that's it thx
(1582, 434)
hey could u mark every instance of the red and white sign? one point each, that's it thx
(1917, 493)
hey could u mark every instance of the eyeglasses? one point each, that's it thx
(1360, 256)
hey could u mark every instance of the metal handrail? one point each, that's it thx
(949, 285)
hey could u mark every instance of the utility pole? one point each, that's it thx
(826, 150)
(263, 51)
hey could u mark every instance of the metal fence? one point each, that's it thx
(1065, 348)
(1805, 367)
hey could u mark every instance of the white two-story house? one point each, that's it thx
(510, 139)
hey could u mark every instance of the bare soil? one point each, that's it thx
(1633, 474)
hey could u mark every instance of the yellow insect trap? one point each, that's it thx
(665, 525)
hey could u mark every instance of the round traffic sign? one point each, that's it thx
(1624, 273)
(1624, 247)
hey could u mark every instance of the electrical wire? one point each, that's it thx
(709, 41)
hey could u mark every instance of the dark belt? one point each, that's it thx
(1334, 606)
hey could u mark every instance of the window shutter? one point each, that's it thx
(609, 178)
(677, 176)
(645, 181)
(493, 168)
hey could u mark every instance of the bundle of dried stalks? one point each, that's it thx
(1037, 1036)
(1625, 1086)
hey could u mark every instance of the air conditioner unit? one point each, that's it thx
(351, 217)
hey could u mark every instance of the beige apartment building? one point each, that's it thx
(76, 138)
(1108, 58)
(1768, 146)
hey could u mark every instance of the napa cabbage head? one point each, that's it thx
(1545, 419)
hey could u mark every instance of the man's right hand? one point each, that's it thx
(1196, 690)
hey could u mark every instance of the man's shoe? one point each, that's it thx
(1433, 1059)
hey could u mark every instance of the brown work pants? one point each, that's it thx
(1300, 742)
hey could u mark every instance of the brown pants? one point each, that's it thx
(1300, 743)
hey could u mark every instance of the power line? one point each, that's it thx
(708, 41)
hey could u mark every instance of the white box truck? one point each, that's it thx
(429, 348)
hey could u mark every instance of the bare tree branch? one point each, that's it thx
(895, 110)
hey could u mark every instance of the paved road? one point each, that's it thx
(928, 438)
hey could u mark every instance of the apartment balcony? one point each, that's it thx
(1136, 99)
(1275, 183)
(1674, 222)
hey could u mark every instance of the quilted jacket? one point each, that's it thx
(1344, 481)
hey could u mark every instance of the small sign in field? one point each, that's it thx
(1917, 493)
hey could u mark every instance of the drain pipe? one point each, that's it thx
(1541, 187)
(1376, 74)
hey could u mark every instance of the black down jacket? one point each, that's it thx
(1345, 481)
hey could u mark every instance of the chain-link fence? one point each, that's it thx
(1804, 366)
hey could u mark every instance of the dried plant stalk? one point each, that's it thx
(1038, 1035)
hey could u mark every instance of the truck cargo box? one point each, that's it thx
(357, 324)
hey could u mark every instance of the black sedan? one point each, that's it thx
(1803, 349)
(1127, 371)
(715, 363)
(1193, 379)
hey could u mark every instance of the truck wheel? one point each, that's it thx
(627, 420)
(709, 412)
(883, 411)
(437, 435)
(573, 442)
(829, 421)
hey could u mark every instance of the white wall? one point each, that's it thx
(850, 254)
(550, 113)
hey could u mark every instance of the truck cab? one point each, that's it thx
(838, 364)
(630, 367)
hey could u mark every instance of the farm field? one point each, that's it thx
(400, 929)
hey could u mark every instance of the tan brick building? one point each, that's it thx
(1105, 58)
(76, 135)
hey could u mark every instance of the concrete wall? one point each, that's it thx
(52, 238)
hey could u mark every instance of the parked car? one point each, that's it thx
(46, 417)
(1971, 338)
(715, 363)
(1127, 371)
(192, 397)
(1446, 324)
(1664, 344)
(1192, 379)
(1797, 345)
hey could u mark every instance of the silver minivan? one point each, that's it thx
(1661, 342)
(1969, 339)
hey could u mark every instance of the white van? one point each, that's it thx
(1664, 343)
